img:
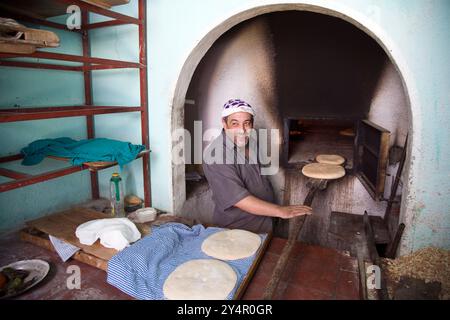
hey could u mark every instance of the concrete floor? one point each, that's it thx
(313, 273)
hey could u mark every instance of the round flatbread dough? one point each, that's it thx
(201, 279)
(330, 159)
(323, 171)
(231, 244)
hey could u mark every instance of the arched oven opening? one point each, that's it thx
(328, 88)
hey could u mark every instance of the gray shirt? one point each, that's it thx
(232, 182)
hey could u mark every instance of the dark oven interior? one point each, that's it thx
(362, 143)
(306, 138)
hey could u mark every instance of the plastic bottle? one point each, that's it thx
(116, 196)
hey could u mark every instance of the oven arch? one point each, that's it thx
(196, 54)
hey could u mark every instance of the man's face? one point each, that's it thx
(238, 126)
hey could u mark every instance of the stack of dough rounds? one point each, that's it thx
(200, 279)
(231, 244)
(330, 159)
(323, 171)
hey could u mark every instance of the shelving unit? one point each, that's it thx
(36, 12)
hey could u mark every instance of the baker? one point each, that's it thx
(243, 197)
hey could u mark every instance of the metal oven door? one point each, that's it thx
(371, 157)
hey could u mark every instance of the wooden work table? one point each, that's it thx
(313, 273)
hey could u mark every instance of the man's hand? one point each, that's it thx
(260, 207)
(286, 212)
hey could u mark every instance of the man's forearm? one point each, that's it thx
(257, 206)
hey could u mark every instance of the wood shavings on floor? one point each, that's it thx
(428, 264)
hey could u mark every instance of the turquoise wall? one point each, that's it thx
(29, 87)
(118, 87)
(33, 88)
(415, 33)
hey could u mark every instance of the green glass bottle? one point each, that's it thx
(116, 196)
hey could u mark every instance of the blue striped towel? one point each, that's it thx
(141, 269)
(64, 249)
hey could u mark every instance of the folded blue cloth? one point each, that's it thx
(64, 249)
(141, 269)
(99, 149)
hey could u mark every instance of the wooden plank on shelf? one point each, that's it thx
(13, 174)
(98, 10)
(107, 4)
(99, 3)
(38, 9)
(116, 2)
(28, 17)
(97, 165)
(12, 32)
(20, 48)
(63, 226)
(41, 38)
(50, 8)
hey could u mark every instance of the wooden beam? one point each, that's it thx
(24, 114)
(11, 158)
(387, 214)
(39, 178)
(13, 174)
(295, 226)
(73, 58)
(35, 65)
(362, 270)
(373, 253)
(391, 250)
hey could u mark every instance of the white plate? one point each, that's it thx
(38, 271)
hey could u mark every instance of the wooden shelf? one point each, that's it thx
(21, 179)
(37, 12)
(99, 165)
(24, 114)
(91, 63)
(44, 9)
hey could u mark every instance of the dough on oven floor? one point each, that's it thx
(231, 244)
(200, 279)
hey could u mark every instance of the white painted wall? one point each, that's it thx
(389, 107)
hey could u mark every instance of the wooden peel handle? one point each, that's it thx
(295, 226)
